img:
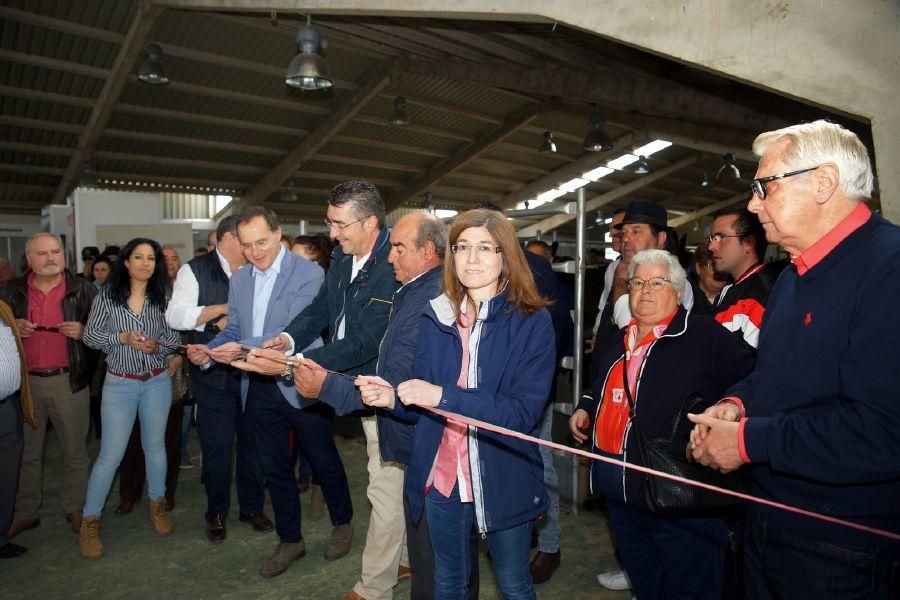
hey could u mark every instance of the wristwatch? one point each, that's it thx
(288, 374)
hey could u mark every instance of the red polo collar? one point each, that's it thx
(828, 242)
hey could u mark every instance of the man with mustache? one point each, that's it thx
(51, 306)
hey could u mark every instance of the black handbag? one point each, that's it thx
(667, 497)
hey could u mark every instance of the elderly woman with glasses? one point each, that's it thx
(650, 373)
(486, 350)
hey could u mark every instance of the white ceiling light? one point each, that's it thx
(652, 148)
(598, 173)
(445, 213)
(622, 162)
(574, 184)
(550, 195)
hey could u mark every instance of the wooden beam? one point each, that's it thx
(33, 94)
(371, 143)
(176, 140)
(482, 43)
(372, 85)
(178, 162)
(178, 115)
(252, 99)
(708, 210)
(446, 107)
(551, 223)
(361, 162)
(462, 156)
(36, 148)
(40, 124)
(575, 168)
(435, 131)
(132, 47)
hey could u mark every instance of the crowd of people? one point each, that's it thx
(771, 377)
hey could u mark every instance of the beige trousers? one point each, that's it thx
(70, 415)
(386, 538)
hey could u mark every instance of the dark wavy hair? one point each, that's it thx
(119, 285)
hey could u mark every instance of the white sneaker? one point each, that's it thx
(614, 580)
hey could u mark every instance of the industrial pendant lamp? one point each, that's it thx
(88, 176)
(151, 71)
(641, 168)
(549, 146)
(308, 71)
(729, 169)
(597, 140)
(289, 194)
(399, 116)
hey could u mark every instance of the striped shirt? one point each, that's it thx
(10, 362)
(108, 319)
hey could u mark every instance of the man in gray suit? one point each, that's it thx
(263, 297)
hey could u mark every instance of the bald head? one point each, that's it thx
(418, 241)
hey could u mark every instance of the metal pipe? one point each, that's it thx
(579, 324)
(565, 209)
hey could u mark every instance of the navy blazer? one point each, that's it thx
(297, 284)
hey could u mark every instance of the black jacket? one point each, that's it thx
(395, 364)
(694, 355)
(365, 303)
(76, 306)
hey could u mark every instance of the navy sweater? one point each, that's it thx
(823, 402)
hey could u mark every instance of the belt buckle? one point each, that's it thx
(145, 376)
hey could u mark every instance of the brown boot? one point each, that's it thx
(89, 538)
(316, 503)
(159, 518)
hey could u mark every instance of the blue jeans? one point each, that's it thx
(779, 563)
(548, 528)
(124, 398)
(450, 524)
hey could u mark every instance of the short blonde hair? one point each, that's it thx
(820, 142)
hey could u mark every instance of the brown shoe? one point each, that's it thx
(404, 573)
(339, 543)
(74, 519)
(215, 529)
(352, 595)
(543, 565)
(159, 518)
(89, 538)
(126, 506)
(316, 503)
(20, 525)
(281, 559)
(259, 521)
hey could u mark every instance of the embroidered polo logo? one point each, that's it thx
(808, 319)
(617, 395)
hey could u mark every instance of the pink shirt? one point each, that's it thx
(451, 465)
(45, 349)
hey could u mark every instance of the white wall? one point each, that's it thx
(96, 207)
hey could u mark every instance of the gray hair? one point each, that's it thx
(434, 230)
(660, 257)
(41, 234)
(820, 142)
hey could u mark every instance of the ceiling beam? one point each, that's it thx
(551, 223)
(708, 210)
(371, 86)
(372, 143)
(444, 133)
(177, 140)
(40, 124)
(614, 88)
(482, 43)
(191, 117)
(130, 51)
(33, 94)
(462, 156)
(572, 169)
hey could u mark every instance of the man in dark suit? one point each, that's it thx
(262, 299)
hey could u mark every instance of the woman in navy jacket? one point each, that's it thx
(670, 357)
(486, 350)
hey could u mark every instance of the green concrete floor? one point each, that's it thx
(139, 564)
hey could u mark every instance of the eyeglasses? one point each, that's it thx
(479, 249)
(334, 224)
(636, 284)
(758, 186)
(718, 237)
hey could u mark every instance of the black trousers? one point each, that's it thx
(272, 419)
(12, 440)
(421, 558)
(220, 419)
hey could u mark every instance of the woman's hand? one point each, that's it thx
(578, 422)
(138, 341)
(375, 391)
(420, 393)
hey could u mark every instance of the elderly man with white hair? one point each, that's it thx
(818, 421)
(665, 362)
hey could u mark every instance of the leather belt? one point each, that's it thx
(139, 376)
(49, 372)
